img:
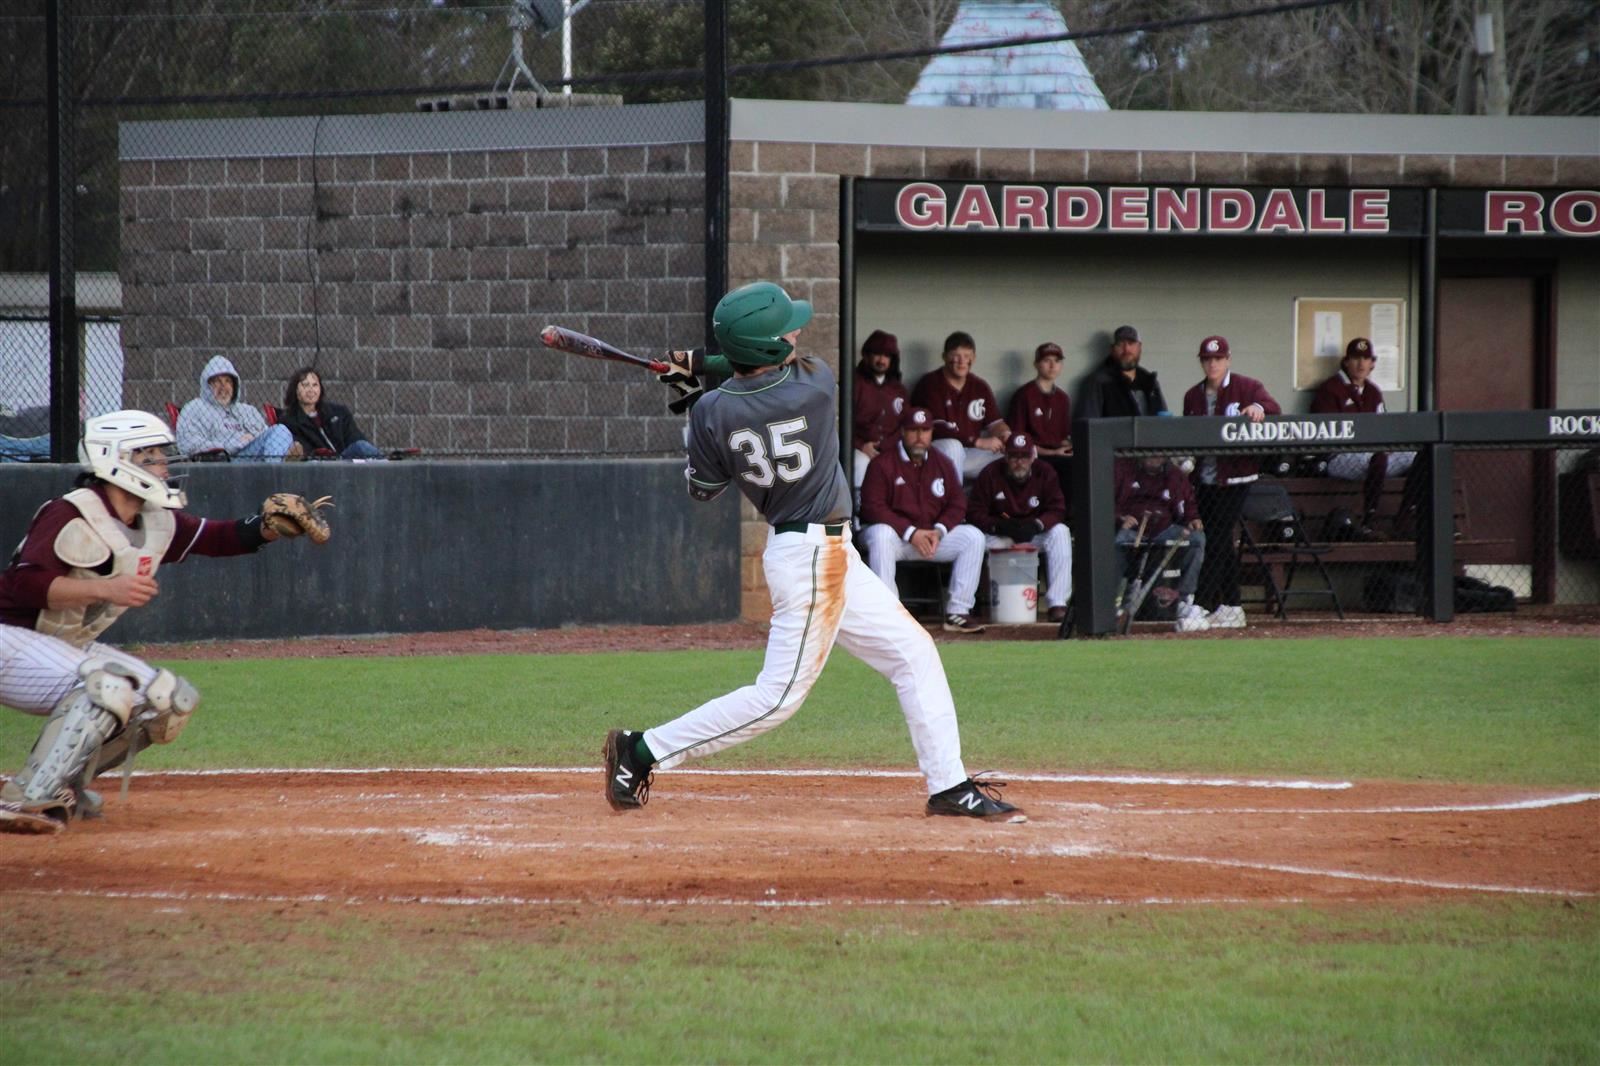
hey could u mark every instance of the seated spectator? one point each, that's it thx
(318, 424)
(967, 427)
(912, 508)
(879, 398)
(1044, 413)
(216, 419)
(1222, 482)
(1351, 392)
(1156, 494)
(1020, 501)
(1121, 388)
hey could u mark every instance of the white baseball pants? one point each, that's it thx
(821, 593)
(969, 462)
(962, 546)
(1056, 544)
(36, 669)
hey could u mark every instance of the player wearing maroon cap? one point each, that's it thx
(879, 398)
(967, 427)
(1221, 483)
(1351, 391)
(912, 507)
(1020, 501)
(1043, 411)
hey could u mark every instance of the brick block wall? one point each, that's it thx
(418, 283)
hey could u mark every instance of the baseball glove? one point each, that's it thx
(289, 515)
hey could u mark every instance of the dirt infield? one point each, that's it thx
(542, 838)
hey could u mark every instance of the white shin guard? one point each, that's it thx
(81, 723)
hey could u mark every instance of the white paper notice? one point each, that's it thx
(1386, 346)
(1328, 330)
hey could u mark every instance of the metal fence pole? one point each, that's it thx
(1438, 535)
(64, 372)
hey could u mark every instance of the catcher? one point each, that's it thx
(87, 557)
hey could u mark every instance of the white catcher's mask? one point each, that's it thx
(109, 442)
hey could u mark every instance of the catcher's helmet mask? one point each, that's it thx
(107, 448)
(750, 323)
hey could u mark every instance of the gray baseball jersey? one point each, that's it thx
(773, 435)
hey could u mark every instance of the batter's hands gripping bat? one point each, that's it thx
(571, 341)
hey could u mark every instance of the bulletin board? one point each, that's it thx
(1323, 326)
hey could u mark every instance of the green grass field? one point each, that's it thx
(1471, 980)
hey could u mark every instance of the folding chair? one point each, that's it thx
(1272, 525)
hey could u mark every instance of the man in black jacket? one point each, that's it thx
(1121, 387)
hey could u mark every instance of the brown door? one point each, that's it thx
(1490, 358)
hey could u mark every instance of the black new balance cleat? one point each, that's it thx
(973, 799)
(627, 782)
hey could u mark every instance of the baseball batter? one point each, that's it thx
(87, 557)
(771, 432)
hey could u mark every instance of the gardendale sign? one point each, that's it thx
(1324, 211)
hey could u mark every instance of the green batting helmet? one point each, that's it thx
(750, 322)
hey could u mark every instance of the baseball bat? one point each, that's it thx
(571, 341)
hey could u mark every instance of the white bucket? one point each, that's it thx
(1014, 585)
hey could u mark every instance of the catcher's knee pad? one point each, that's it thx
(169, 700)
(83, 720)
(172, 699)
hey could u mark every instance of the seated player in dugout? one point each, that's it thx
(771, 431)
(1042, 410)
(1156, 507)
(88, 557)
(1352, 391)
(1019, 501)
(967, 425)
(879, 398)
(913, 507)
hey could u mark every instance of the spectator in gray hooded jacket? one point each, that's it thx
(217, 419)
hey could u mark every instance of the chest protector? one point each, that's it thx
(86, 542)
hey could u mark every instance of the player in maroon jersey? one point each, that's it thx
(967, 425)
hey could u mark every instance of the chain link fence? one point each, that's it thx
(1325, 536)
(404, 229)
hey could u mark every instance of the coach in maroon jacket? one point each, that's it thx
(1020, 501)
(912, 507)
(967, 424)
(879, 398)
(1222, 482)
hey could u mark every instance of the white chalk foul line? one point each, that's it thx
(1311, 871)
(642, 902)
(1112, 779)
(1536, 803)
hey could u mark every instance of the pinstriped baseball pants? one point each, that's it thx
(36, 670)
(822, 593)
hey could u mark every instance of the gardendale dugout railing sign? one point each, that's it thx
(1197, 210)
(1097, 443)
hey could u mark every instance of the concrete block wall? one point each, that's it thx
(418, 282)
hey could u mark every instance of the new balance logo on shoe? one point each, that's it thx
(973, 798)
(627, 783)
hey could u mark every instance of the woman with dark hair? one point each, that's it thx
(318, 424)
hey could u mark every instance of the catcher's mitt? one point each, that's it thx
(289, 515)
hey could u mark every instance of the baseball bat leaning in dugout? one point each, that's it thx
(571, 341)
